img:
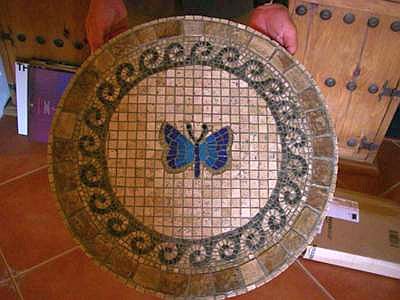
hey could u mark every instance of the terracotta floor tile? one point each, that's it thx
(3, 270)
(75, 276)
(32, 229)
(294, 283)
(7, 291)
(349, 284)
(17, 154)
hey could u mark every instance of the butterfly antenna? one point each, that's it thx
(203, 132)
(190, 132)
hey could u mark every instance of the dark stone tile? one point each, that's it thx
(82, 227)
(322, 172)
(228, 280)
(273, 258)
(323, 147)
(202, 285)
(168, 29)
(251, 272)
(148, 277)
(306, 221)
(281, 60)
(318, 122)
(317, 197)
(297, 78)
(173, 283)
(292, 241)
(122, 263)
(309, 99)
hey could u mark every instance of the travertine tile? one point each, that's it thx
(189, 156)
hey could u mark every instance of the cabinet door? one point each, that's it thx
(60, 24)
(346, 56)
(380, 64)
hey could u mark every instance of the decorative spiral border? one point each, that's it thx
(152, 61)
(122, 224)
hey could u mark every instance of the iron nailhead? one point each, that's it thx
(351, 85)
(301, 10)
(373, 88)
(21, 37)
(349, 18)
(351, 142)
(395, 26)
(40, 40)
(373, 22)
(58, 43)
(330, 82)
(325, 14)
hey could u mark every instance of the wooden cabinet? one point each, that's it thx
(59, 25)
(352, 48)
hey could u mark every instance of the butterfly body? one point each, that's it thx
(196, 160)
(212, 151)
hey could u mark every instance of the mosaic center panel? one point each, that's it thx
(193, 157)
(179, 204)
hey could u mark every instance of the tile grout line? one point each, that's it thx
(23, 175)
(23, 272)
(394, 186)
(391, 188)
(396, 144)
(315, 280)
(12, 278)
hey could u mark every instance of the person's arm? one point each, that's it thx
(273, 20)
(105, 19)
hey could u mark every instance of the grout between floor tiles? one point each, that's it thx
(66, 252)
(315, 280)
(12, 278)
(23, 175)
(8, 270)
(391, 188)
(396, 144)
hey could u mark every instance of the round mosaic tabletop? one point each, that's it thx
(193, 157)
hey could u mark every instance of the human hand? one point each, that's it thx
(105, 19)
(275, 22)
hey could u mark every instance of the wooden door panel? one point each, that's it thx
(325, 59)
(48, 19)
(332, 49)
(352, 52)
(303, 24)
(380, 61)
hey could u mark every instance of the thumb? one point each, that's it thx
(95, 41)
(290, 40)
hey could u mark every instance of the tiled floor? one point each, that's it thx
(385, 183)
(40, 260)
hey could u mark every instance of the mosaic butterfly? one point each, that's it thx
(213, 151)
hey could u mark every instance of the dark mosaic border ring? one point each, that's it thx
(64, 170)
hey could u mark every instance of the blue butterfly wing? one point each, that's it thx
(215, 150)
(180, 151)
